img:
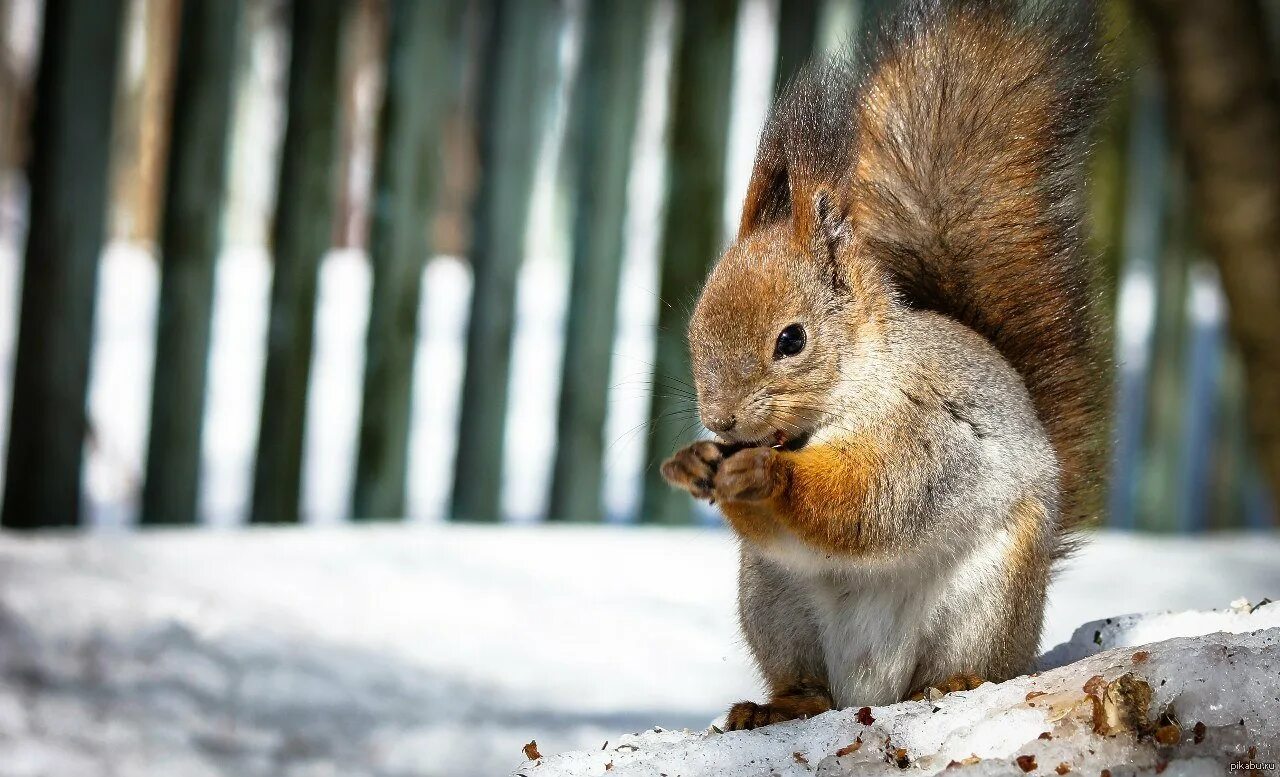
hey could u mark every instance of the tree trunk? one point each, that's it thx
(71, 134)
(1224, 98)
(189, 240)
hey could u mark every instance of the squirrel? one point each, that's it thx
(900, 360)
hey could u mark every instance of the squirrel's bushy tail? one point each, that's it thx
(971, 131)
(958, 145)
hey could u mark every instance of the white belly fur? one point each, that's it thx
(879, 621)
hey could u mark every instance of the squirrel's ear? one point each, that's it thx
(768, 194)
(822, 220)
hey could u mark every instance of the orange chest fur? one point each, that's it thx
(821, 502)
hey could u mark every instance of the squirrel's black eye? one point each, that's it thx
(790, 342)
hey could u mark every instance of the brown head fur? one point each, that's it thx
(781, 276)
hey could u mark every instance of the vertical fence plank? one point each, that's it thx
(1202, 369)
(797, 38)
(1158, 506)
(606, 102)
(1107, 177)
(70, 137)
(691, 238)
(189, 240)
(873, 14)
(1107, 197)
(518, 73)
(420, 58)
(300, 236)
(1144, 227)
(1230, 455)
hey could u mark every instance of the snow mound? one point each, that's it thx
(1174, 693)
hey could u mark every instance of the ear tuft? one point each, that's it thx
(827, 227)
(830, 218)
(768, 194)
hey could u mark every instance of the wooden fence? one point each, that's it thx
(1182, 455)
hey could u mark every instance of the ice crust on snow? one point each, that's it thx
(1219, 668)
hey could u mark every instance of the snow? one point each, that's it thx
(1222, 688)
(441, 650)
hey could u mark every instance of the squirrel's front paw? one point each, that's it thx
(693, 468)
(749, 475)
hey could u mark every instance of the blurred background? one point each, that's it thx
(280, 260)
(430, 262)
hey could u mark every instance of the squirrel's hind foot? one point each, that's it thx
(956, 682)
(799, 703)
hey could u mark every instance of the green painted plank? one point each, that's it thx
(1160, 508)
(421, 78)
(70, 151)
(691, 238)
(518, 73)
(301, 236)
(606, 102)
(189, 240)
(797, 38)
(1144, 236)
(1232, 452)
(872, 16)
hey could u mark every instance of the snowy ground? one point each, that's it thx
(427, 650)
(1189, 705)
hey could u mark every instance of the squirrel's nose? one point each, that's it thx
(720, 424)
